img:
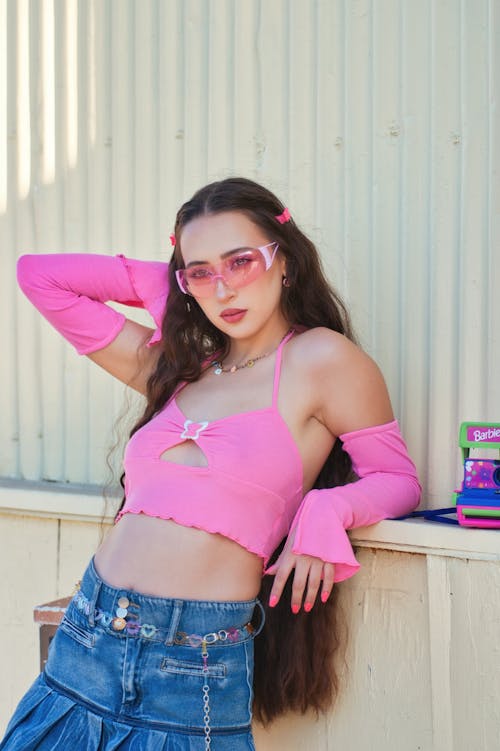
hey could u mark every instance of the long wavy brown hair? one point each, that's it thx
(295, 665)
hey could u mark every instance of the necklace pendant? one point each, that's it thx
(233, 369)
(217, 369)
(250, 363)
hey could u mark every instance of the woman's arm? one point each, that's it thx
(70, 290)
(354, 405)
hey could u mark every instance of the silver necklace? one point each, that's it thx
(217, 364)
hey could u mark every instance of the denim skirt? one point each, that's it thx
(130, 672)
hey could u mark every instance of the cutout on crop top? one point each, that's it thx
(186, 452)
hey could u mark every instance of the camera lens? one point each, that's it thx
(496, 475)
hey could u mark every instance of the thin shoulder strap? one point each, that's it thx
(206, 361)
(178, 388)
(277, 365)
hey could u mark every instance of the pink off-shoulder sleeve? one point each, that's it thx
(70, 290)
(387, 487)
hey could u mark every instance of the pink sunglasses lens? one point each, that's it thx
(236, 271)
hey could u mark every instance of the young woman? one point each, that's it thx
(238, 484)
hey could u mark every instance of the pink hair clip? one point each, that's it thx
(172, 240)
(283, 217)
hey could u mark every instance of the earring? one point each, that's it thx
(286, 281)
(188, 306)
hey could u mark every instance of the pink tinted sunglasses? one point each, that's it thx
(241, 267)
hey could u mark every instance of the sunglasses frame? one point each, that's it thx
(263, 249)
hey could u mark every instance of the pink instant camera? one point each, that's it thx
(478, 501)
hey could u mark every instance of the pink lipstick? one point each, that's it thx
(232, 315)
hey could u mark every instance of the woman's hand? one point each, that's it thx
(309, 571)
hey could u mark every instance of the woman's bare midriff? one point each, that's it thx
(162, 558)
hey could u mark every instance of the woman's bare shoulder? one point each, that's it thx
(322, 347)
(348, 386)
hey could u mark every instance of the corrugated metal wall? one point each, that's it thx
(377, 122)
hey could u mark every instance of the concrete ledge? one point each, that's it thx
(56, 501)
(430, 538)
(86, 503)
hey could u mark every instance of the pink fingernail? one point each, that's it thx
(295, 609)
(308, 607)
(272, 601)
(324, 596)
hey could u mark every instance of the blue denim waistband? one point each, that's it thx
(128, 613)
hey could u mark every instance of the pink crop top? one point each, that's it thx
(251, 489)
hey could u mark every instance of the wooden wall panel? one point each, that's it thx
(422, 663)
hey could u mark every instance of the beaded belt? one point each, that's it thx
(134, 627)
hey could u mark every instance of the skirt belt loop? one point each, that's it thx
(93, 602)
(262, 619)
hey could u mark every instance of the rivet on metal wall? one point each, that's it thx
(260, 150)
(394, 129)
